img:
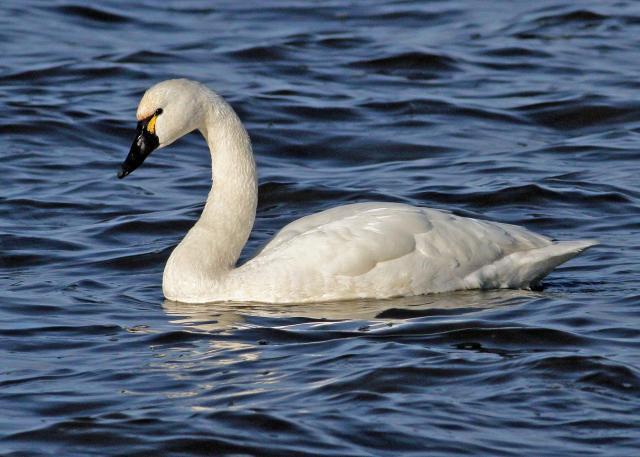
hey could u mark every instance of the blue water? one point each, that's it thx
(520, 112)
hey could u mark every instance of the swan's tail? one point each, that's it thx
(525, 269)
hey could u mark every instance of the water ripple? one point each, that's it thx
(523, 114)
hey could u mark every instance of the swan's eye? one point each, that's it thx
(151, 125)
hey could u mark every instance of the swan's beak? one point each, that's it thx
(142, 146)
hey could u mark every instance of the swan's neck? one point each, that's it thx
(212, 247)
(230, 210)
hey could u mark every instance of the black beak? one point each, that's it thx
(142, 146)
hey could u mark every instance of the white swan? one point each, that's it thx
(364, 250)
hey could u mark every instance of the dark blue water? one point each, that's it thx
(520, 112)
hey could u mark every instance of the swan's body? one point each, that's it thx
(365, 250)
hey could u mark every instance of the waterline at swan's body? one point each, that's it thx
(366, 250)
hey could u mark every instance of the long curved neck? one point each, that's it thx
(231, 205)
(213, 245)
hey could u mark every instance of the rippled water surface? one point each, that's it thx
(520, 112)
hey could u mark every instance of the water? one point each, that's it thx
(523, 112)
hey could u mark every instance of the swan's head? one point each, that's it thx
(167, 111)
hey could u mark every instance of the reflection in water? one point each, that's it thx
(227, 315)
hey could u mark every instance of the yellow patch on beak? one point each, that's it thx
(151, 125)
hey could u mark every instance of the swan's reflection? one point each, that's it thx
(236, 366)
(223, 316)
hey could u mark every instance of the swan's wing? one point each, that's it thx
(352, 239)
(323, 219)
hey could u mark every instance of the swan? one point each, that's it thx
(363, 250)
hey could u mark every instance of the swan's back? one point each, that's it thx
(390, 249)
(352, 239)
